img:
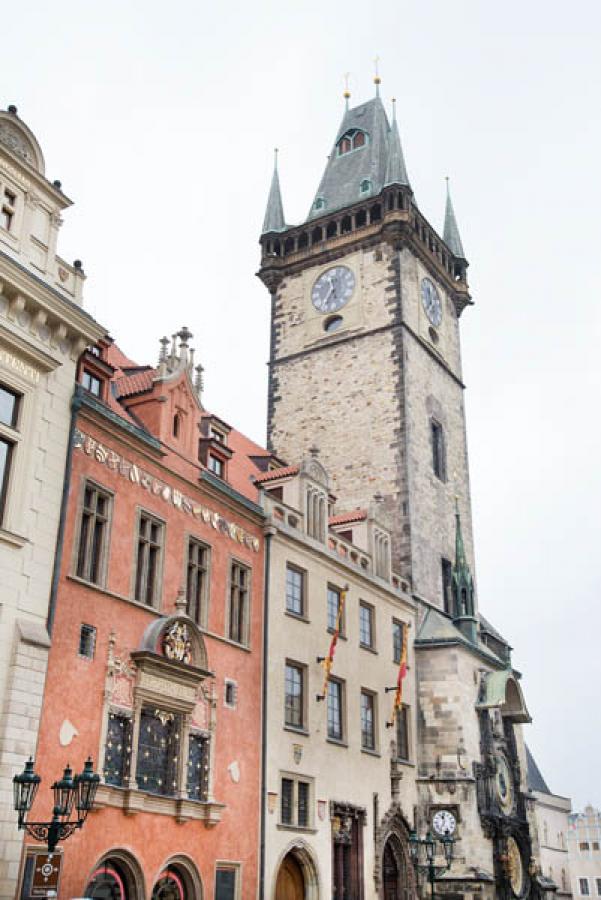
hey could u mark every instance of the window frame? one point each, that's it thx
(583, 880)
(439, 449)
(229, 865)
(103, 564)
(142, 512)
(373, 708)
(332, 588)
(405, 711)
(294, 823)
(396, 657)
(302, 669)
(342, 739)
(302, 573)
(92, 634)
(91, 377)
(204, 598)
(12, 435)
(246, 619)
(371, 610)
(216, 466)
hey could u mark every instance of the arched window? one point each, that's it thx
(351, 140)
(365, 186)
(316, 236)
(332, 324)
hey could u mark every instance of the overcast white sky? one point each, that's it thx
(160, 119)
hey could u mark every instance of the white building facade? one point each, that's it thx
(43, 331)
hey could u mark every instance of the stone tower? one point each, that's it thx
(365, 362)
(365, 354)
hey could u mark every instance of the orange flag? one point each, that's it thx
(398, 696)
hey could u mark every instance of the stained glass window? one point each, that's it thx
(117, 752)
(198, 767)
(158, 751)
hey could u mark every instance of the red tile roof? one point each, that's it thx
(357, 515)
(136, 383)
(274, 474)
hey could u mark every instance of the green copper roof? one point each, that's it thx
(451, 231)
(396, 171)
(274, 214)
(437, 629)
(501, 689)
(344, 174)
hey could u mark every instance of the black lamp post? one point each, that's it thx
(68, 791)
(423, 855)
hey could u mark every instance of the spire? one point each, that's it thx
(377, 79)
(396, 172)
(451, 232)
(347, 93)
(274, 214)
(463, 585)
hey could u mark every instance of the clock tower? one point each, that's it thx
(365, 355)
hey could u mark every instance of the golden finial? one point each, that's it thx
(394, 109)
(347, 93)
(377, 79)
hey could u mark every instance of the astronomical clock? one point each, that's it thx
(502, 804)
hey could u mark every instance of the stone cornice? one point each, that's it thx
(18, 281)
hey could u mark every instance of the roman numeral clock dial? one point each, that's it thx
(333, 289)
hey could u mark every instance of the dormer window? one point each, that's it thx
(365, 186)
(320, 203)
(352, 140)
(216, 466)
(217, 435)
(7, 213)
(91, 383)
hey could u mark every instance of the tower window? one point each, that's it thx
(438, 449)
(365, 186)
(332, 324)
(352, 140)
(447, 592)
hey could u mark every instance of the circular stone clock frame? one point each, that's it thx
(431, 302)
(333, 289)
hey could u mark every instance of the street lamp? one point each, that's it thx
(68, 790)
(423, 855)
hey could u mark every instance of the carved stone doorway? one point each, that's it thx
(291, 881)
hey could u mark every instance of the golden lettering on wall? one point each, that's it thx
(132, 472)
(18, 365)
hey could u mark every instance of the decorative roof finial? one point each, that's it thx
(347, 93)
(184, 335)
(198, 380)
(394, 109)
(275, 159)
(164, 342)
(377, 79)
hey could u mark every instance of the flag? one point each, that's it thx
(329, 659)
(398, 695)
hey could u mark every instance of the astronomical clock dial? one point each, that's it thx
(504, 784)
(333, 289)
(444, 822)
(431, 302)
(515, 867)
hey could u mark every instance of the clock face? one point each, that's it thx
(444, 822)
(431, 302)
(333, 289)
(504, 784)
(515, 867)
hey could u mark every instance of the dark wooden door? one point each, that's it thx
(291, 883)
(391, 875)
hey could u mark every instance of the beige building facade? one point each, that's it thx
(43, 330)
(340, 780)
(584, 851)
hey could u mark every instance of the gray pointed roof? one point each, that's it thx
(274, 214)
(451, 231)
(396, 171)
(340, 184)
(536, 782)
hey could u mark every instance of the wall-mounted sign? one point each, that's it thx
(135, 475)
(18, 365)
(41, 873)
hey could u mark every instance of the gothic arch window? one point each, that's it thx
(316, 235)
(353, 139)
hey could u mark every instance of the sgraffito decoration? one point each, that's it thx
(135, 475)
